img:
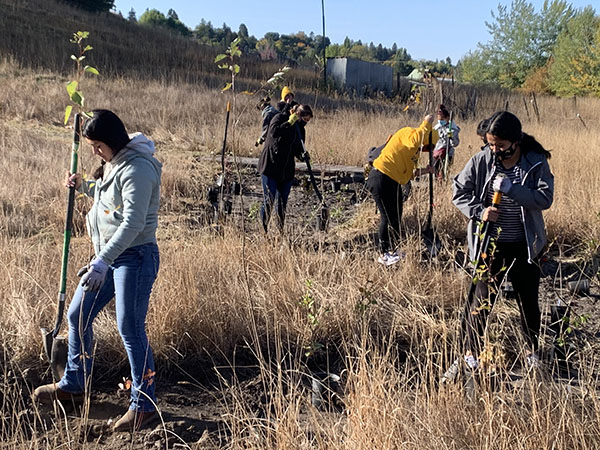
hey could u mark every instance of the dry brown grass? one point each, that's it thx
(215, 292)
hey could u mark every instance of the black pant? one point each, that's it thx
(387, 194)
(525, 279)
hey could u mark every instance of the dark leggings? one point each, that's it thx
(274, 191)
(387, 194)
(525, 279)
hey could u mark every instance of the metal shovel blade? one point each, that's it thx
(56, 351)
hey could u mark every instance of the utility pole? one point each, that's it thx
(324, 46)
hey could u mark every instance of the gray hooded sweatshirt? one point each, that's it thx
(534, 194)
(126, 200)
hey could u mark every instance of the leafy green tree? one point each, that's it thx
(177, 25)
(360, 51)
(205, 32)
(587, 76)
(553, 19)
(475, 68)
(521, 42)
(266, 50)
(272, 37)
(587, 69)
(578, 39)
(401, 62)
(512, 42)
(153, 17)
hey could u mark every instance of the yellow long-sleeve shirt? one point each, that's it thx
(399, 156)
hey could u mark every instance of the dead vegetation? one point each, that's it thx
(292, 306)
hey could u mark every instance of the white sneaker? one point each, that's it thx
(533, 361)
(389, 258)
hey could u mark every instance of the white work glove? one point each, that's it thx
(93, 279)
(502, 184)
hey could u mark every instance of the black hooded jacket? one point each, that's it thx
(281, 146)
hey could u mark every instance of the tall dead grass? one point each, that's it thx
(394, 329)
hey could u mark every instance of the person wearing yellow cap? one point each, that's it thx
(287, 95)
(394, 167)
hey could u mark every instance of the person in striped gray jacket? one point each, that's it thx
(516, 164)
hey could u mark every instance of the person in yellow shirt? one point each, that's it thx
(394, 167)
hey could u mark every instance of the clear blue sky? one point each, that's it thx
(431, 29)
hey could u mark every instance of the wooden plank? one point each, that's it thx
(344, 174)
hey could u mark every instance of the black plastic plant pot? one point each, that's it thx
(212, 195)
(581, 286)
(326, 390)
(227, 207)
(323, 219)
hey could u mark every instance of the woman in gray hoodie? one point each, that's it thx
(122, 224)
(515, 164)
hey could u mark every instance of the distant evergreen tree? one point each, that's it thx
(93, 5)
(243, 31)
(131, 16)
(171, 14)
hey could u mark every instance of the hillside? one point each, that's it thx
(36, 33)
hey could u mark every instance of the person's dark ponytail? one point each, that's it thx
(530, 144)
(99, 171)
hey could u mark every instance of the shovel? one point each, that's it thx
(482, 249)
(55, 346)
(432, 240)
(484, 245)
(224, 202)
(448, 145)
(323, 217)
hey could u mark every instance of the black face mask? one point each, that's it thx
(507, 153)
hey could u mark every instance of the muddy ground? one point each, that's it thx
(195, 401)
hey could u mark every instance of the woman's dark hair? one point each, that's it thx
(482, 128)
(442, 111)
(505, 125)
(303, 110)
(105, 126)
(263, 103)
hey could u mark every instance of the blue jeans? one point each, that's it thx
(274, 191)
(129, 281)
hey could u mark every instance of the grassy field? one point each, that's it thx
(392, 331)
(288, 307)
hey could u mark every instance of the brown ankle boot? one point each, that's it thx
(49, 393)
(135, 420)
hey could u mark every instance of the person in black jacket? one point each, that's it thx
(276, 163)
